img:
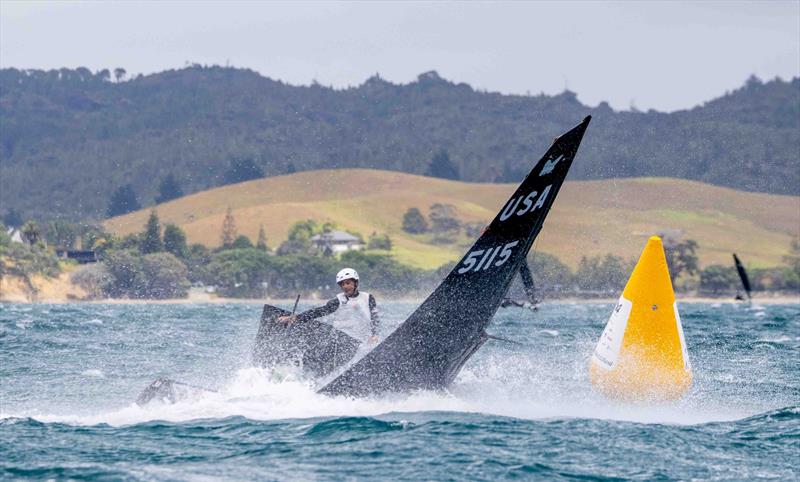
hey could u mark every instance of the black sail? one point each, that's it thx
(430, 347)
(742, 275)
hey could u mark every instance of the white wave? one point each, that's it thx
(779, 339)
(94, 373)
(260, 394)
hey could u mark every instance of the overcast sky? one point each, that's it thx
(661, 55)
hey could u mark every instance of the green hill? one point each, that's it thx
(589, 217)
(70, 138)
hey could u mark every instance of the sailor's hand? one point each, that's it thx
(373, 339)
(288, 319)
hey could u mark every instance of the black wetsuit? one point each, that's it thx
(333, 305)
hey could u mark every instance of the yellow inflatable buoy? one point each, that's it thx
(641, 355)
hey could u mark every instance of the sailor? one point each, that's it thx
(354, 312)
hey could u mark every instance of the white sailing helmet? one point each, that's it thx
(347, 273)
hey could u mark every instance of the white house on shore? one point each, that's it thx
(15, 235)
(337, 242)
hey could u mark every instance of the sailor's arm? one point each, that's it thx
(313, 313)
(374, 321)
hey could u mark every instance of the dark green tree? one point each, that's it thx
(598, 273)
(299, 238)
(240, 170)
(169, 189)
(444, 218)
(716, 278)
(228, 235)
(175, 241)
(681, 258)
(31, 232)
(793, 258)
(242, 242)
(261, 243)
(441, 166)
(119, 74)
(241, 272)
(151, 237)
(163, 276)
(379, 241)
(123, 201)
(197, 261)
(414, 222)
(125, 267)
(61, 233)
(131, 241)
(549, 273)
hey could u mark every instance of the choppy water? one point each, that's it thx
(69, 375)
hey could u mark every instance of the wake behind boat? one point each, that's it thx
(428, 350)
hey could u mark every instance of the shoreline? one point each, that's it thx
(782, 299)
(60, 290)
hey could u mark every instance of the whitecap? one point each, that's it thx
(94, 373)
(780, 339)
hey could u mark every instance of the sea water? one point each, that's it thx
(69, 375)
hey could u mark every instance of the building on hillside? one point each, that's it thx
(335, 242)
(82, 256)
(15, 235)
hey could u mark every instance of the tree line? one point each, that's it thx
(158, 263)
(72, 138)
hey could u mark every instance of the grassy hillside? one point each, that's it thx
(588, 218)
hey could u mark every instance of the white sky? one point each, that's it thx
(661, 55)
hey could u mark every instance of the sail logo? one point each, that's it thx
(488, 258)
(528, 204)
(550, 165)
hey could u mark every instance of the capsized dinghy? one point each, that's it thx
(428, 350)
(430, 347)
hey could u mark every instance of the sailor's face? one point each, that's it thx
(348, 286)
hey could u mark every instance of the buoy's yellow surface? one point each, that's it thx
(641, 355)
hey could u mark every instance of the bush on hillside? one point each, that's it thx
(716, 278)
(414, 222)
(20, 259)
(379, 241)
(239, 272)
(94, 279)
(607, 273)
(152, 276)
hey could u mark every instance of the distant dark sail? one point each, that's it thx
(742, 275)
(430, 347)
(527, 282)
